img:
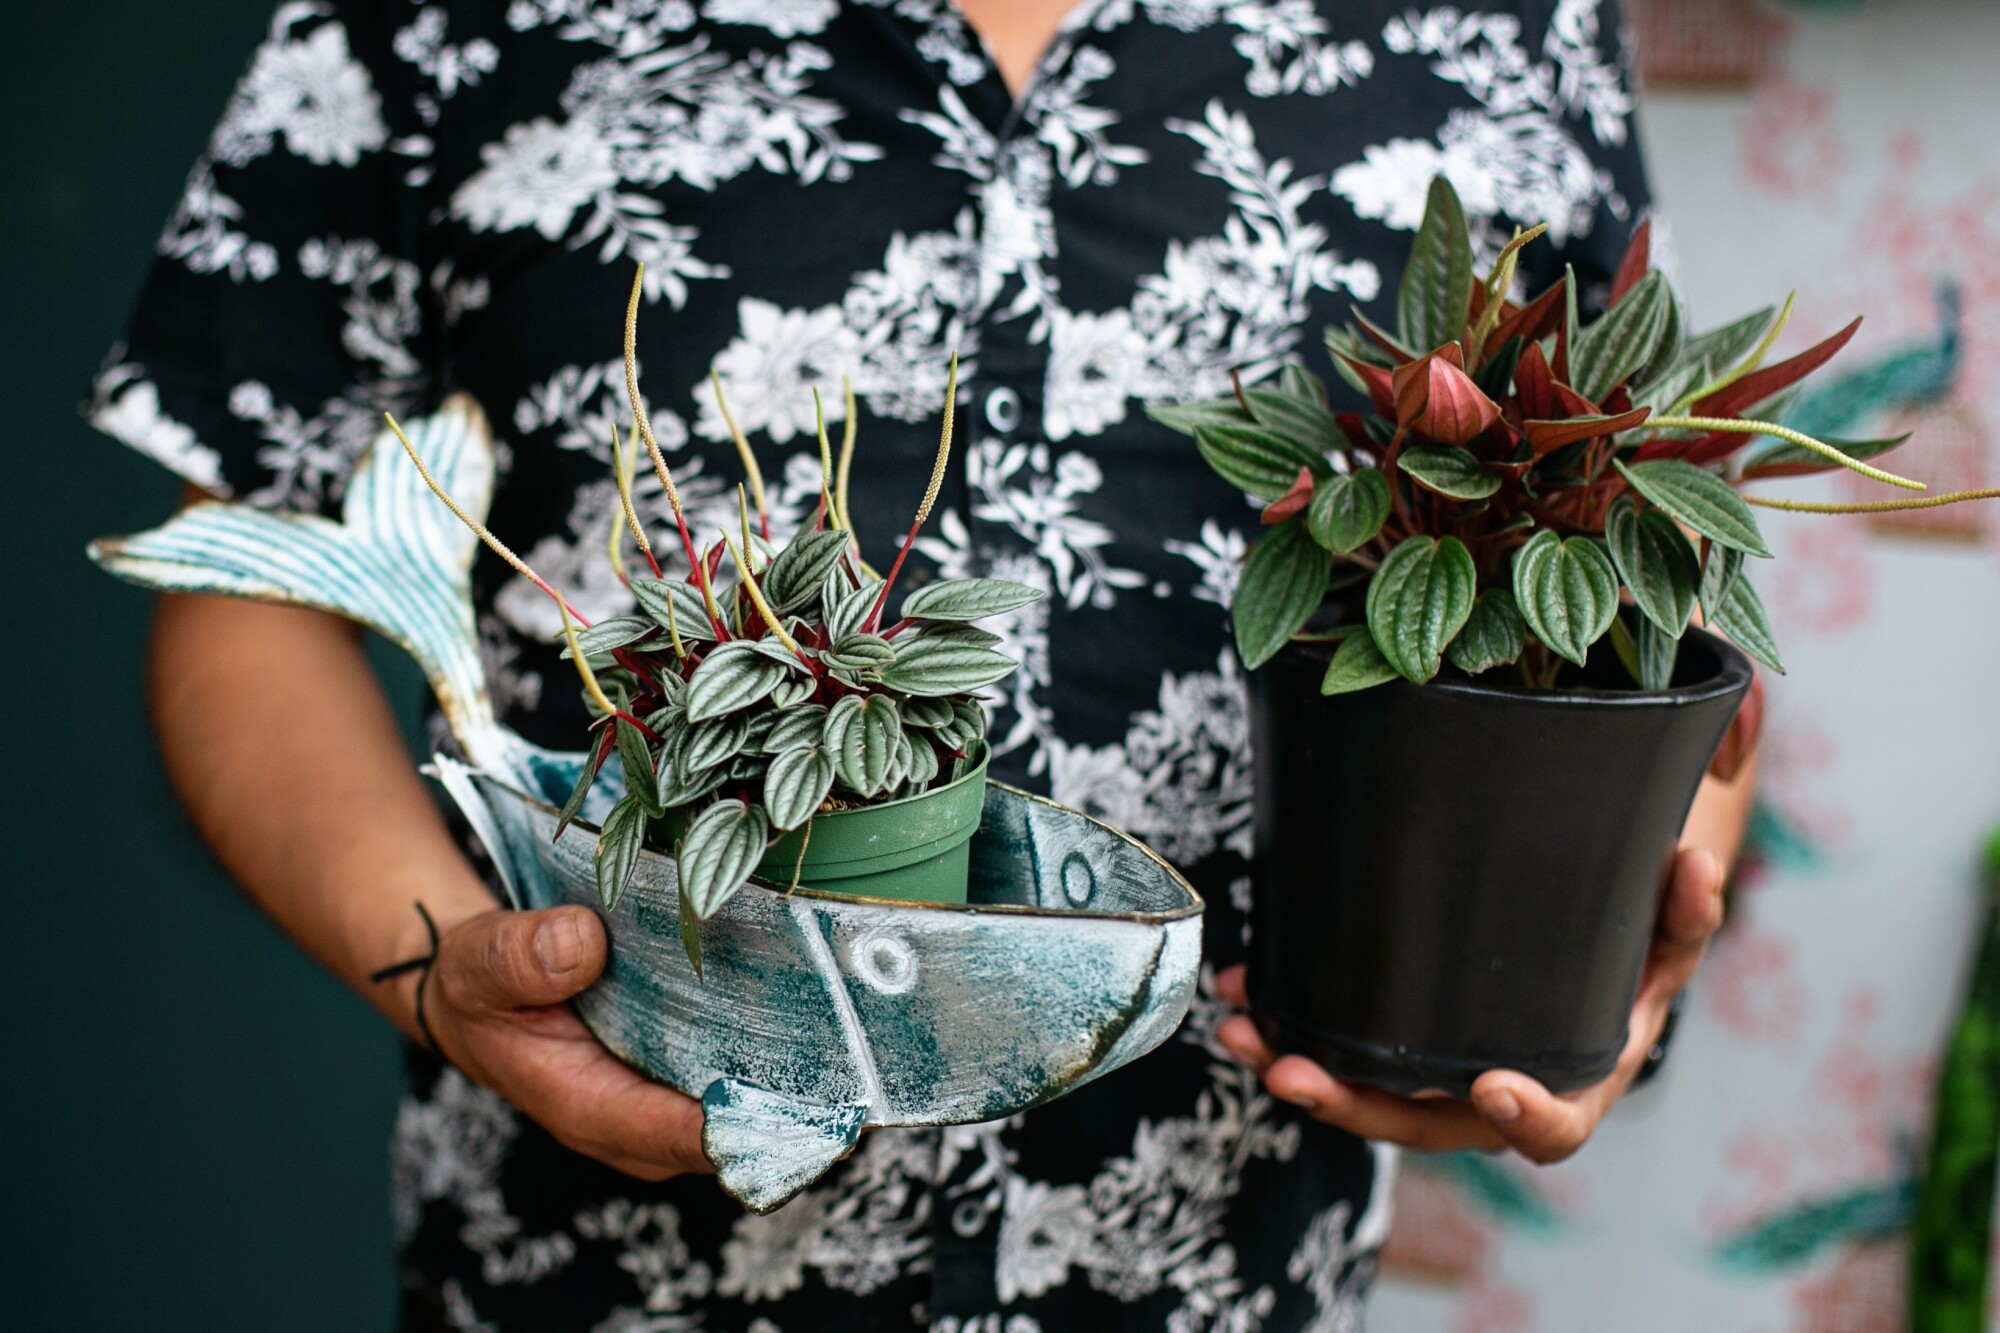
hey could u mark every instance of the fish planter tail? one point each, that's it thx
(1459, 877)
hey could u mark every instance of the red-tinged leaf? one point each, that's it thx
(1699, 450)
(1793, 461)
(1292, 501)
(1439, 401)
(1532, 322)
(1381, 387)
(1535, 387)
(1618, 404)
(1548, 436)
(1638, 258)
(1355, 430)
(1761, 384)
(1380, 337)
(1515, 466)
(1575, 404)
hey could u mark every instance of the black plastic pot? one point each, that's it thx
(1463, 876)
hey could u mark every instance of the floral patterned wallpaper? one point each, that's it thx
(1764, 1184)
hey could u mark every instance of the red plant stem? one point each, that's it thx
(1388, 472)
(898, 628)
(875, 616)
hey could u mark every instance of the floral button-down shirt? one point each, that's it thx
(407, 199)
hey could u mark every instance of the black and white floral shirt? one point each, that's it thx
(405, 199)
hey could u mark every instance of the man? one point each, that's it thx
(1095, 205)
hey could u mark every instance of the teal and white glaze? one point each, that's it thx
(816, 1016)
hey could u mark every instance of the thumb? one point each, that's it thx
(521, 960)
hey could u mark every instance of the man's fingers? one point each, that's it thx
(516, 960)
(1232, 988)
(1431, 1125)
(1533, 1121)
(1690, 915)
(1239, 1036)
(606, 1110)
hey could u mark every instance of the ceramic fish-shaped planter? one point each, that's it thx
(816, 1016)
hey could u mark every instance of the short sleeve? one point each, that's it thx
(286, 307)
(1590, 151)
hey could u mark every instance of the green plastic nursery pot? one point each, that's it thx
(914, 850)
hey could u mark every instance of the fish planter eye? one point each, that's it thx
(1498, 623)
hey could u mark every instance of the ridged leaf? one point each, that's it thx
(1494, 634)
(719, 851)
(1347, 510)
(1256, 461)
(1698, 498)
(792, 690)
(795, 784)
(636, 759)
(1188, 417)
(861, 736)
(800, 570)
(733, 676)
(1281, 585)
(923, 757)
(1656, 651)
(1302, 384)
(795, 726)
(1436, 290)
(585, 777)
(1718, 575)
(690, 614)
(1657, 563)
(1567, 591)
(1722, 348)
(1304, 422)
(933, 667)
(845, 615)
(928, 713)
(967, 599)
(618, 844)
(1448, 470)
(1742, 619)
(1622, 341)
(1357, 665)
(1793, 460)
(947, 631)
(690, 932)
(860, 652)
(1418, 601)
(605, 635)
(713, 742)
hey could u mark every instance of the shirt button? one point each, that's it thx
(1003, 410)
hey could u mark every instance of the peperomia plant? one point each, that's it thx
(743, 702)
(1520, 469)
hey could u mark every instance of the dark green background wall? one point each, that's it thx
(194, 1117)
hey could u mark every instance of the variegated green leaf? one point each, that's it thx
(796, 576)
(735, 675)
(689, 616)
(1448, 470)
(1567, 591)
(927, 713)
(1436, 291)
(1304, 422)
(1698, 498)
(1418, 601)
(618, 845)
(1718, 575)
(712, 742)
(719, 852)
(1280, 587)
(1494, 634)
(793, 690)
(606, 635)
(923, 757)
(796, 784)
(1622, 341)
(1657, 563)
(1189, 417)
(862, 731)
(1742, 620)
(954, 632)
(967, 599)
(1256, 461)
(1357, 665)
(860, 652)
(846, 615)
(1348, 509)
(933, 667)
(802, 725)
(1722, 348)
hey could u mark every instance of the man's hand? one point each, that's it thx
(1507, 1110)
(496, 1003)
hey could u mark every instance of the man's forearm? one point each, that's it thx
(278, 740)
